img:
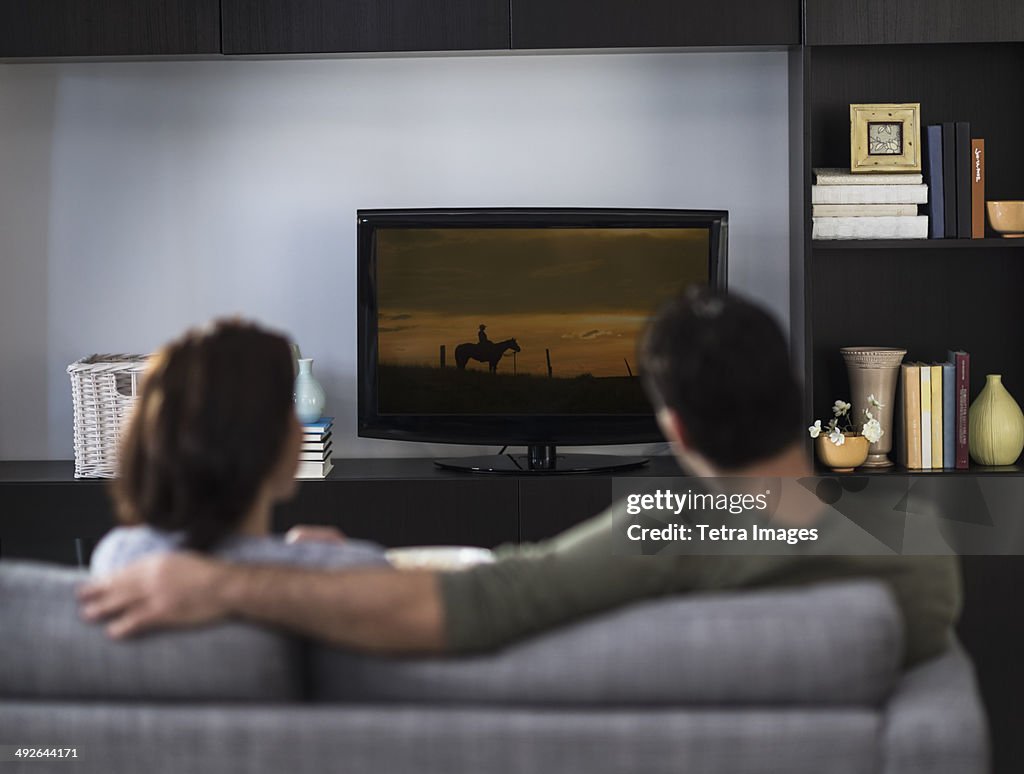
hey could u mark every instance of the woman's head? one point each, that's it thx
(213, 432)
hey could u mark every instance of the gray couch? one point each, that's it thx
(788, 681)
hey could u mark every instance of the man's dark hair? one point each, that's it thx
(210, 425)
(722, 365)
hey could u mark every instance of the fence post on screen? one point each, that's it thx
(547, 353)
(628, 369)
(442, 356)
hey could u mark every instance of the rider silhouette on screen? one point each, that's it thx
(482, 335)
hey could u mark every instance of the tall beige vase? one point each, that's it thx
(996, 425)
(873, 371)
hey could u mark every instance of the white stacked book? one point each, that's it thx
(867, 206)
(315, 452)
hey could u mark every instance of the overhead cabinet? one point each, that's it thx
(557, 24)
(866, 22)
(56, 28)
(339, 26)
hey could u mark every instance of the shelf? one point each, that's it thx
(917, 244)
(899, 470)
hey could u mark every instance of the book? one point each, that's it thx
(314, 469)
(315, 456)
(926, 417)
(320, 427)
(949, 414)
(869, 194)
(977, 189)
(949, 176)
(911, 387)
(321, 442)
(963, 179)
(962, 361)
(914, 227)
(836, 176)
(862, 210)
(937, 408)
(937, 205)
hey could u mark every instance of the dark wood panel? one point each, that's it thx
(853, 22)
(626, 23)
(43, 520)
(550, 506)
(316, 26)
(992, 631)
(471, 511)
(55, 28)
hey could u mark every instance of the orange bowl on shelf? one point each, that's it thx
(1007, 218)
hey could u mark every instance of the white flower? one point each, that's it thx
(833, 424)
(815, 429)
(837, 437)
(840, 408)
(868, 416)
(875, 402)
(872, 430)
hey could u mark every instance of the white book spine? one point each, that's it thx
(863, 210)
(915, 227)
(869, 194)
(846, 177)
(926, 417)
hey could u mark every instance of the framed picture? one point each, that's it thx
(885, 138)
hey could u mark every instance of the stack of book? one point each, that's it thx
(955, 167)
(315, 454)
(845, 205)
(936, 399)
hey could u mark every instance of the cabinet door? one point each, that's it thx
(324, 26)
(54, 28)
(857, 22)
(475, 512)
(628, 23)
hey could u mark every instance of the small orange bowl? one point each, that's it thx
(1007, 218)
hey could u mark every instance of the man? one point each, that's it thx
(718, 373)
(482, 334)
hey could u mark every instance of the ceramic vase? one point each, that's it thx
(842, 459)
(309, 395)
(873, 371)
(996, 425)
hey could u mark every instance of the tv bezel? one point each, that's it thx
(508, 429)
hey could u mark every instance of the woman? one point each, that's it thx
(212, 447)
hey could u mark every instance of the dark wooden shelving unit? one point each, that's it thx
(957, 58)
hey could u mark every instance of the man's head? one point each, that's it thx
(717, 370)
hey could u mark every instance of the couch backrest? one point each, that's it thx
(47, 651)
(829, 644)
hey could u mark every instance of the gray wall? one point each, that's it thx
(140, 198)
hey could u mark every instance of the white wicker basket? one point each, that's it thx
(103, 393)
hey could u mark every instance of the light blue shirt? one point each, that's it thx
(124, 545)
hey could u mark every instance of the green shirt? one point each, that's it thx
(538, 586)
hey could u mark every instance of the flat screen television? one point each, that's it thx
(518, 327)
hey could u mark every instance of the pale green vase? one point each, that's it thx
(996, 425)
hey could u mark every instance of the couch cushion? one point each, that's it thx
(47, 651)
(837, 644)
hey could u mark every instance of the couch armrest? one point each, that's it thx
(935, 722)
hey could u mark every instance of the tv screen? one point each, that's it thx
(519, 326)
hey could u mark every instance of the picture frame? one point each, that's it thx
(885, 137)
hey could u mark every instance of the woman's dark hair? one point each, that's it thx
(208, 428)
(722, 365)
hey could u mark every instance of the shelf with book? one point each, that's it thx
(993, 243)
(899, 470)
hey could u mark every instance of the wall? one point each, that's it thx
(137, 198)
